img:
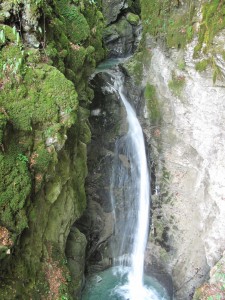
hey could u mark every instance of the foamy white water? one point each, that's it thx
(140, 178)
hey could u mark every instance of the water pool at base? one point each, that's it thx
(112, 284)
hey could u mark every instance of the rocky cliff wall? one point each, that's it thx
(181, 66)
(188, 154)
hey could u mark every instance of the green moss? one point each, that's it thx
(136, 64)
(85, 133)
(181, 65)
(12, 60)
(3, 122)
(38, 111)
(202, 65)
(8, 34)
(76, 40)
(177, 83)
(179, 31)
(161, 18)
(223, 54)
(132, 19)
(15, 188)
(154, 16)
(152, 104)
(33, 56)
(42, 160)
(212, 22)
(122, 26)
(76, 25)
(28, 108)
(77, 58)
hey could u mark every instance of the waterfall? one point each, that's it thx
(130, 197)
(131, 192)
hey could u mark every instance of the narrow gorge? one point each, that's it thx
(91, 207)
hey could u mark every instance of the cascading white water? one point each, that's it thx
(138, 195)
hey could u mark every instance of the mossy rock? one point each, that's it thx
(123, 27)
(163, 19)
(3, 121)
(8, 34)
(15, 188)
(212, 22)
(39, 110)
(77, 57)
(135, 65)
(76, 25)
(152, 104)
(45, 94)
(202, 65)
(133, 19)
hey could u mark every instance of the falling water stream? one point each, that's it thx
(130, 195)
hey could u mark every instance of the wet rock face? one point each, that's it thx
(75, 253)
(121, 38)
(97, 221)
(123, 27)
(111, 9)
(114, 8)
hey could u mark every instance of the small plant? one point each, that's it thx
(68, 110)
(22, 158)
(49, 132)
(181, 65)
(14, 67)
(202, 65)
(177, 83)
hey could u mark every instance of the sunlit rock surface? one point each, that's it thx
(189, 153)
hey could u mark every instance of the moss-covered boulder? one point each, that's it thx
(133, 19)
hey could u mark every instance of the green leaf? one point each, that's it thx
(14, 30)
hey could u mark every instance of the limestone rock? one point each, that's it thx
(189, 155)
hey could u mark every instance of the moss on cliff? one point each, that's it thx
(152, 104)
(45, 64)
(176, 84)
(69, 34)
(165, 19)
(212, 22)
(177, 23)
